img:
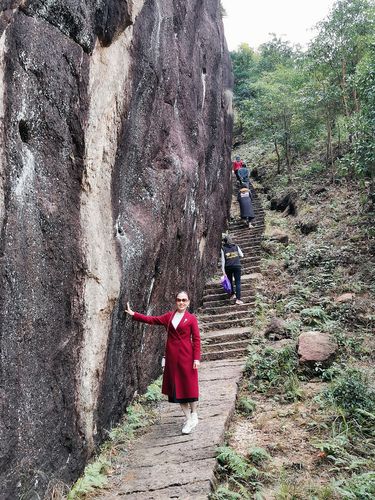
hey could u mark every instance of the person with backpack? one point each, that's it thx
(243, 175)
(246, 205)
(182, 356)
(231, 266)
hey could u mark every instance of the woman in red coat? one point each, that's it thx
(182, 357)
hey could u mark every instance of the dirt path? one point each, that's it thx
(163, 463)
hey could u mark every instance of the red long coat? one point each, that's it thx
(183, 347)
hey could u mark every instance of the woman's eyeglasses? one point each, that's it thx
(182, 300)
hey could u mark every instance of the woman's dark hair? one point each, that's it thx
(182, 291)
(227, 239)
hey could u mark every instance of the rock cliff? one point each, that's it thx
(115, 124)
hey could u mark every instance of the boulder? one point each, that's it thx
(307, 226)
(276, 329)
(279, 236)
(316, 347)
(345, 297)
(285, 202)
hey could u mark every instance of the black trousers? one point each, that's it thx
(236, 273)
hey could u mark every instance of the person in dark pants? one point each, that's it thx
(246, 205)
(243, 175)
(231, 265)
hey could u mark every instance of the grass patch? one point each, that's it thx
(240, 477)
(94, 477)
(246, 406)
(358, 487)
(258, 456)
(274, 371)
(352, 394)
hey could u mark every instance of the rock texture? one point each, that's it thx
(316, 347)
(278, 236)
(285, 202)
(307, 225)
(115, 123)
(276, 329)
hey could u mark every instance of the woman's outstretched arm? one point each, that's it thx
(151, 320)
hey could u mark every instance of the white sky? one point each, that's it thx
(251, 21)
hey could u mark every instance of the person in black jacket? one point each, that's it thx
(231, 265)
(246, 205)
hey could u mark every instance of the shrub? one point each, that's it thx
(360, 486)
(224, 493)
(246, 406)
(351, 392)
(258, 456)
(314, 316)
(276, 369)
(94, 477)
(239, 472)
(153, 393)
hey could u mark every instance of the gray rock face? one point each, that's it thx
(285, 202)
(115, 131)
(276, 329)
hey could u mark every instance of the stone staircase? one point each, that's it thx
(162, 463)
(225, 326)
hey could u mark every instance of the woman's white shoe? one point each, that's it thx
(190, 423)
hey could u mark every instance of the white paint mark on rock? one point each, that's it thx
(228, 99)
(204, 89)
(27, 175)
(108, 88)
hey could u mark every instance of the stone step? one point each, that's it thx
(243, 240)
(250, 257)
(238, 223)
(254, 248)
(228, 306)
(237, 214)
(246, 295)
(216, 288)
(252, 233)
(247, 236)
(233, 313)
(249, 269)
(219, 302)
(226, 346)
(222, 324)
(230, 354)
(219, 336)
(246, 231)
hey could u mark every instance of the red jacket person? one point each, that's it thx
(182, 357)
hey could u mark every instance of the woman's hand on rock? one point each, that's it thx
(196, 364)
(129, 310)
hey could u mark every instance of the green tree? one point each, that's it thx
(342, 40)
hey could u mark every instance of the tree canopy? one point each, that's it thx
(291, 100)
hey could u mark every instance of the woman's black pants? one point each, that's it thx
(236, 273)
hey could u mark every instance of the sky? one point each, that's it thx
(251, 21)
